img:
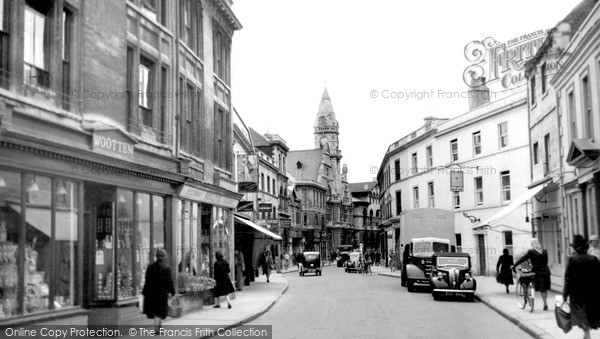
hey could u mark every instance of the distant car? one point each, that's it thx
(342, 258)
(352, 262)
(311, 263)
(452, 277)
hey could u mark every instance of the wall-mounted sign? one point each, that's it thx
(197, 194)
(285, 222)
(456, 181)
(265, 207)
(114, 143)
(273, 222)
(247, 173)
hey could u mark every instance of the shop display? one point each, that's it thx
(9, 276)
(104, 252)
(36, 290)
(124, 252)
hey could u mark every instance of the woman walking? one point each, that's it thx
(224, 286)
(581, 279)
(505, 262)
(240, 267)
(539, 262)
(267, 264)
(158, 285)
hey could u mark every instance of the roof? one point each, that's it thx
(258, 139)
(361, 186)
(310, 161)
(574, 20)
(325, 114)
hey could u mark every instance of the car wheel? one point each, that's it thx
(410, 285)
(435, 296)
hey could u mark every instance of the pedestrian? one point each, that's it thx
(581, 279)
(299, 258)
(594, 247)
(223, 285)
(267, 264)
(392, 261)
(286, 260)
(539, 262)
(503, 269)
(278, 264)
(158, 285)
(240, 267)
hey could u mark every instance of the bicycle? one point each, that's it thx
(525, 288)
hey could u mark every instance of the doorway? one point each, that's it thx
(481, 251)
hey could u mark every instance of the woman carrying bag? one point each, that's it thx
(224, 286)
(581, 286)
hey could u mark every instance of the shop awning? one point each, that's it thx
(257, 227)
(39, 218)
(520, 200)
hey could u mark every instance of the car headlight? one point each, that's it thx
(468, 276)
(440, 275)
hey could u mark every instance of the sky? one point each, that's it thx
(386, 64)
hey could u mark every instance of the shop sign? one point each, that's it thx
(265, 207)
(285, 222)
(113, 143)
(273, 222)
(197, 194)
(247, 173)
(456, 181)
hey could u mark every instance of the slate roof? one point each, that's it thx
(258, 139)
(310, 163)
(360, 186)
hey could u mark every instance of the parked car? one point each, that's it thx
(452, 277)
(342, 258)
(352, 262)
(311, 263)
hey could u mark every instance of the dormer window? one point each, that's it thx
(299, 165)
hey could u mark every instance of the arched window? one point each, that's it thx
(371, 217)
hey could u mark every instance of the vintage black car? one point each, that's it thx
(342, 258)
(311, 263)
(352, 262)
(451, 276)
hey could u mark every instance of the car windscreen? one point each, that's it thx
(311, 256)
(353, 257)
(452, 261)
(427, 248)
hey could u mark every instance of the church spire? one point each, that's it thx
(325, 121)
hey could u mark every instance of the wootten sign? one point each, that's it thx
(113, 143)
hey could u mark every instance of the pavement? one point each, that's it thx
(260, 296)
(539, 324)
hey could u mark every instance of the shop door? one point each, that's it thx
(481, 251)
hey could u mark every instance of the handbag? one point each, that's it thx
(563, 317)
(498, 280)
(174, 310)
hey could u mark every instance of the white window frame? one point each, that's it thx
(505, 188)
(502, 138)
(429, 156)
(453, 150)
(476, 142)
(431, 194)
(456, 199)
(478, 191)
(415, 196)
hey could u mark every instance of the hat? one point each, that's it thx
(594, 238)
(578, 241)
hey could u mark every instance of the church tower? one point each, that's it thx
(326, 125)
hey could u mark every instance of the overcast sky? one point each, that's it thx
(287, 50)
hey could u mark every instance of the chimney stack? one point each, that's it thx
(479, 93)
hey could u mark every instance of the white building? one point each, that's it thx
(489, 144)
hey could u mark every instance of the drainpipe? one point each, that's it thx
(561, 173)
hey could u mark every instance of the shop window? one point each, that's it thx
(10, 225)
(142, 222)
(124, 245)
(221, 232)
(205, 255)
(158, 224)
(508, 241)
(66, 215)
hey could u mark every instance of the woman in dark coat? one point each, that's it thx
(503, 268)
(158, 285)
(581, 279)
(224, 286)
(267, 264)
(539, 262)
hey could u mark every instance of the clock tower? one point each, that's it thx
(326, 126)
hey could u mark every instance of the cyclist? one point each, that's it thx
(539, 262)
